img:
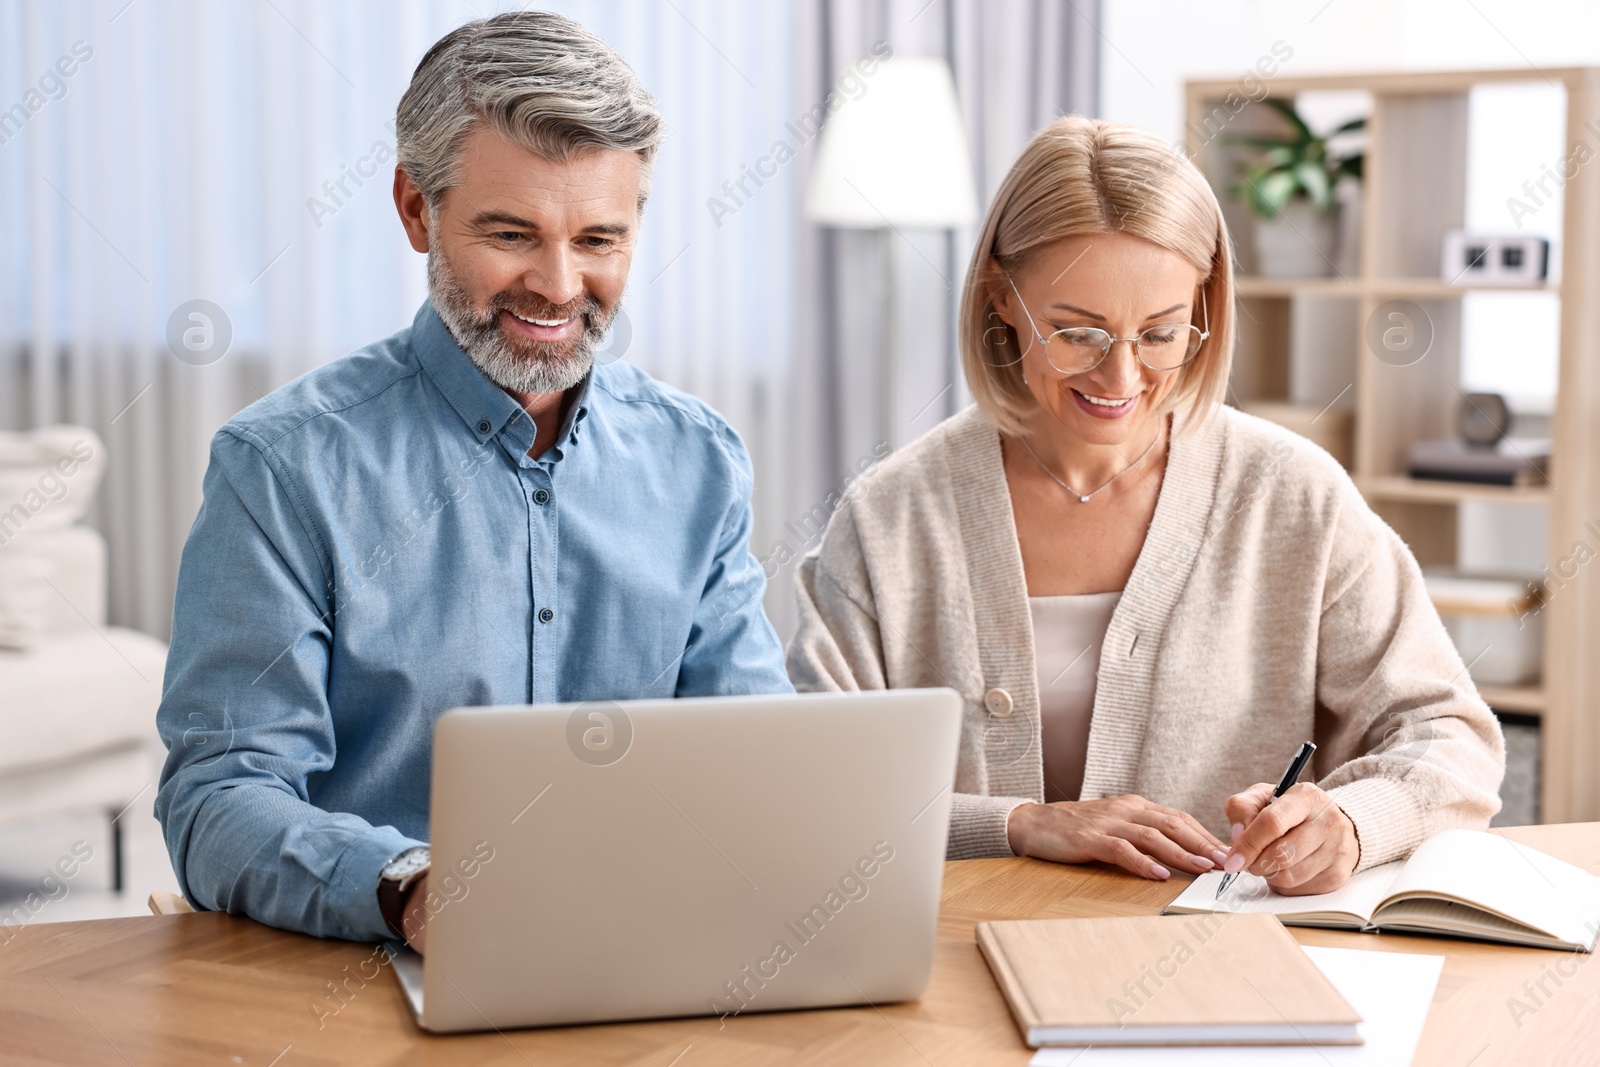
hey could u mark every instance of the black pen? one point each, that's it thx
(1290, 777)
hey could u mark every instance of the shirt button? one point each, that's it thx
(483, 425)
(545, 614)
(541, 497)
(998, 701)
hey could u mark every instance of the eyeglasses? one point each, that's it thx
(1080, 349)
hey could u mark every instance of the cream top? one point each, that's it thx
(1067, 634)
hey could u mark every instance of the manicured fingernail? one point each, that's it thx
(1158, 871)
(1201, 862)
(1235, 863)
(1238, 828)
(1220, 856)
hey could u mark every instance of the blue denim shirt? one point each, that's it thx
(376, 547)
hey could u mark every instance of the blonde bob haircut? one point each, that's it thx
(1079, 177)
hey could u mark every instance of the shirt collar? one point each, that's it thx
(487, 409)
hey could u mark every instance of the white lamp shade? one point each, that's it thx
(896, 155)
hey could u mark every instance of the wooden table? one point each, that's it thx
(212, 989)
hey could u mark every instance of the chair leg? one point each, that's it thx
(116, 852)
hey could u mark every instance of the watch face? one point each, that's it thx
(408, 864)
(1483, 418)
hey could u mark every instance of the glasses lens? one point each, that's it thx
(1169, 346)
(1075, 351)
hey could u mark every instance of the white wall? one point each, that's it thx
(1152, 46)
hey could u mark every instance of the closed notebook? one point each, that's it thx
(1146, 980)
(1460, 883)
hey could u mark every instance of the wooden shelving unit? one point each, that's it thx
(1413, 192)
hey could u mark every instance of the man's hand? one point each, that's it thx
(1300, 843)
(1129, 831)
(414, 914)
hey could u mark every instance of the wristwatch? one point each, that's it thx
(396, 878)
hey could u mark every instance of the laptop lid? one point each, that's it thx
(647, 859)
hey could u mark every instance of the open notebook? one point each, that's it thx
(1461, 883)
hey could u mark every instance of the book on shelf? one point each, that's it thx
(1460, 883)
(1511, 462)
(1145, 980)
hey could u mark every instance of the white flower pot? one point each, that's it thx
(1299, 243)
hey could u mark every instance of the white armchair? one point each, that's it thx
(77, 697)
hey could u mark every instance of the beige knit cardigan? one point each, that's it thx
(1268, 606)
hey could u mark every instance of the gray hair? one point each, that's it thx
(534, 77)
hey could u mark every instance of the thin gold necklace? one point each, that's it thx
(1082, 497)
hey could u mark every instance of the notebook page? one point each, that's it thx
(1500, 875)
(1357, 897)
(1443, 916)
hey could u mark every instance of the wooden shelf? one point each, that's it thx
(1508, 609)
(1257, 286)
(1416, 288)
(1524, 699)
(1422, 491)
(1397, 83)
(1435, 289)
(1414, 192)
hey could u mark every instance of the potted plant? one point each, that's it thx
(1290, 188)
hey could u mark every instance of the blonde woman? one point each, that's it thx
(1146, 598)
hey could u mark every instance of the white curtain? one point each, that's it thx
(242, 153)
(156, 152)
(1018, 64)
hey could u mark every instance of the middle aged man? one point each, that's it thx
(469, 512)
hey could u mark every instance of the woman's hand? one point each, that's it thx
(1300, 843)
(1129, 831)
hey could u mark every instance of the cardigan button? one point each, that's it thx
(998, 701)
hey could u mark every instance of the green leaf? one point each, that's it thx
(1257, 204)
(1351, 167)
(1276, 190)
(1264, 142)
(1286, 109)
(1249, 191)
(1278, 159)
(1314, 179)
(1297, 164)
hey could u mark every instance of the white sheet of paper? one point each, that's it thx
(1391, 990)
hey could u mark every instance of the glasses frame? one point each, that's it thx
(1110, 343)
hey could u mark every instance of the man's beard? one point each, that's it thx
(517, 363)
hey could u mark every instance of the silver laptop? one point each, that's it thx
(715, 856)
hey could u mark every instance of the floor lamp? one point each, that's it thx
(894, 157)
